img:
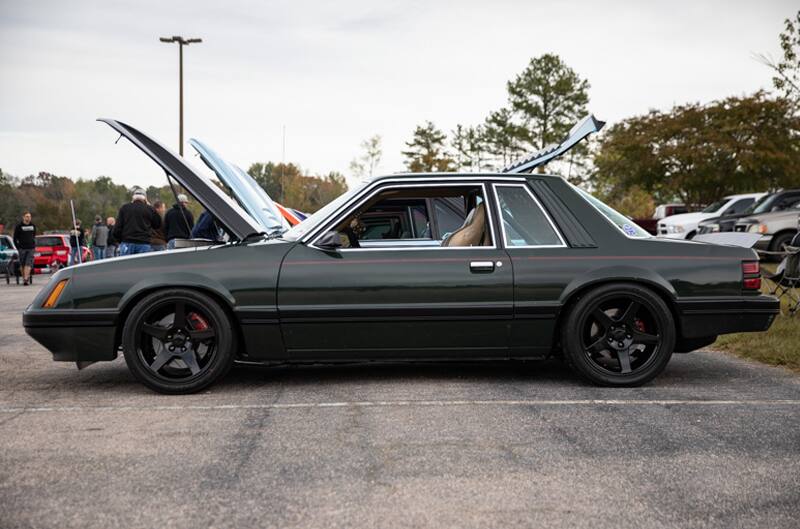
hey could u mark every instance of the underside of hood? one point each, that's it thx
(202, 188)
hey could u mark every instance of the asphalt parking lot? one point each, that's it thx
(714, 442)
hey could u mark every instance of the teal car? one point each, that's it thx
(8, 254)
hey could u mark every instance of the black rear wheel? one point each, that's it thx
(619, 335)
(178, 341)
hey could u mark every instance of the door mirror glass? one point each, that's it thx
(330, 240)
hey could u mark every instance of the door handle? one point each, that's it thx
(481, 266)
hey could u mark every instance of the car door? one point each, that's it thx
(542, 267)
(396, 301)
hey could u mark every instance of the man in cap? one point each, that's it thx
(178, 222)
(135, 221)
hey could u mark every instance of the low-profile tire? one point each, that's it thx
(619, 334)
(178, 341)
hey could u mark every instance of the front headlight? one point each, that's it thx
(675, 228)
(713, 228)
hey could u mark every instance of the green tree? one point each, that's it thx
(262, 174)
(503, 137)
(787, 70)
(365, 164)
(427, 150)
(699, 153)
(549, 97)
(469, 148)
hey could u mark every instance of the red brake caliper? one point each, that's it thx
(197, 322)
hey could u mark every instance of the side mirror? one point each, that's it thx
(330, 241)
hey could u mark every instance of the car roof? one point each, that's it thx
(744, 195)
(482, 176)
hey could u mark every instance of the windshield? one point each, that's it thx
(715, 206)
(761, 205)
(625, 225)
(312, 221)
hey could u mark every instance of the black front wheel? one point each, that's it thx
(178, 341)
(619, 335)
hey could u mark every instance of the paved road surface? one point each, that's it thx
(714, 442)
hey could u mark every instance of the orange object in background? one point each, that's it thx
(288, 215)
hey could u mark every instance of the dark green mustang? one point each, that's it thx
(412, 267)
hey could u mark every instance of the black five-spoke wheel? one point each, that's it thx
(178, 341)
(619, 335)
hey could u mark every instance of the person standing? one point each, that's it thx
(134, 223)
(158, 241)
(99, 238)
(112, 244)
(178, 222)
(25, 241)
(77, 240)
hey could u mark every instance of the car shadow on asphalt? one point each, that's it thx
(682, 371)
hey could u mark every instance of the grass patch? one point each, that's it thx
(779, 346)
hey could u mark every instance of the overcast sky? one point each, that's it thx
(335, 73)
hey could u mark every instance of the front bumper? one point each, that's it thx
(714, 316)
(74, 335)
(681, 235)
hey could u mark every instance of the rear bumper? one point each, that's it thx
(74, 335)
(715, 316)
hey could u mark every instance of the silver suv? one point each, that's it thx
(777, 228)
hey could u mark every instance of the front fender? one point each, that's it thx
(176, 280)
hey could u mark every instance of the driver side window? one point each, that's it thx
(418, 216)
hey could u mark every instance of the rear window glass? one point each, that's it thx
(524, 222)
(626, 225)
(49, 241)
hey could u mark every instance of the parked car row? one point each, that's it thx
(685, 226)
(773, 215)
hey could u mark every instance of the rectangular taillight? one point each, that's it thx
(751, 275)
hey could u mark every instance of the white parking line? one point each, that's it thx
(402, 403)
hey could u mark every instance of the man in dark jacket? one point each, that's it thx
(25, 241)
(135, 221)
(178, 222)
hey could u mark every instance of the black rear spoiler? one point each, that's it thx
(581, 130)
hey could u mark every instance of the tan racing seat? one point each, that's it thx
(473, 232)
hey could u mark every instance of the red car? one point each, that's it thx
(52, 253)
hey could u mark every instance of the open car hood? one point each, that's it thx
(250, 195)
(204, 190)
(586, 126)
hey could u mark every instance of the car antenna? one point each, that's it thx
(120, 137)
(175, 194)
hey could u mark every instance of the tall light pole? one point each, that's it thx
(181, 43)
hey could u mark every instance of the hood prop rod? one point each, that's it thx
(183, 213)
